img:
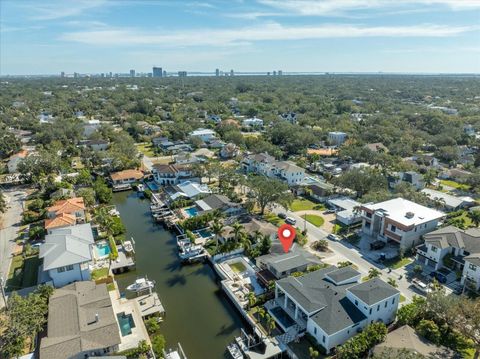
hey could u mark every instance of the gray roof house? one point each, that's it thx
(219, 202)
(81, 323)
(331, 305)
(67, 253)
(449, 202)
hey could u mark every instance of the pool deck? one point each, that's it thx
(129, 307)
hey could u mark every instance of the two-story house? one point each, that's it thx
(75, 207)
(126, 177)
(331, 305)
(171, 174)
(66, 254)
(264, 164)
(219, 202)
(398, 221)
(455, 248)
(203, 134)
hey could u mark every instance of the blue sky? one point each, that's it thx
(91, 36)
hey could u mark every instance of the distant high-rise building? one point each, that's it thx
(274, 73)
(232, 73)
(268, 73)
(102, 75)
(132, 73)
(157, 72)
(75, 75)
(182, 73)
(164, 73)
(110, 74)
(280, 72)
(62, 74)
(217, 72)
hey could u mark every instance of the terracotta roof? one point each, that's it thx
(126, 174)
(62, 220)
(67, 206)
(322, 151)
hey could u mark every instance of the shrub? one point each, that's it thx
(429, 330)
(113, 247)
(320, 245)
(152, 325)
(158, 345)
(358, 346)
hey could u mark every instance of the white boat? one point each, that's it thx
(141, 284)
(184, 242)
(190, 252)
(140, 188)
(128, 246)
(235, 351)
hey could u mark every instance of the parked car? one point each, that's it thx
(333, 237)
(442, 278)
(421, 286)
(282, 215)
(291, 221)
(329, 211)
(377, 245)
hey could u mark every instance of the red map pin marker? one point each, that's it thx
(286, 234)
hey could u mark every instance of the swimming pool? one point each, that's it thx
(126, 323)
(153, 186)
(204, 233)
(103, 249)
(283, 317)
(192, 211)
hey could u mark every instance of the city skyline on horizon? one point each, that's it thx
(253, 36)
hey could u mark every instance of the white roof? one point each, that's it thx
(202, 131)
(450, 200)
(192, 189)
(345, 203)
(398, 208)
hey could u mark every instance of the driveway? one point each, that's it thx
(344, 251)
(9, 226)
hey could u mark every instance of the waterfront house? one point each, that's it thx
(399, 221)
(62, 220)
(221, 203)
(264, 164)
(347, 210)
(81, 323)
(204, 134)
(251, 227)
(406, 338)
(66, 254)
(187, 189)
(126, 177)
(331, 305)
(172, 173)
(449, 202)
(455, 248)
(72, 206)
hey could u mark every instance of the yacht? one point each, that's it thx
(141, 284)
(235, 351)
(191, 251)
(140, 188)
(128, 247)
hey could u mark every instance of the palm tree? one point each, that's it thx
(237, 231)
(270, 323)
(474, 217)
(217, 229)
(104, 220)
(247, 245)
(373, 273)
(392, 282)
(261, 312)
(252, 299)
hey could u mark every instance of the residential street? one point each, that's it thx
(346, 252)
(9, 225)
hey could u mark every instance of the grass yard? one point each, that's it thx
(303, 204)
(111, 286)
(396, 263)
(146, 149)
(315, 220)
(99, 273)
(238, 267)
(23, 272)
(456, 185)
(273, 219)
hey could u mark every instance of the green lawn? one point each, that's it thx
(99, 273)
(396, 263)
(402, 298)
(111, 286)
(273, 219)
(456, 185)
(303, 204)
(146, 149)
(23, 272)
(314, 219)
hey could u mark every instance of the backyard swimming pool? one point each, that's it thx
(205, 233)
(126, 323)
(283, 317)
(192, 211)
(103, 249)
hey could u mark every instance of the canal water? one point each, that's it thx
(199, 315)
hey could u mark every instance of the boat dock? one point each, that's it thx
(150, 304)
(123, 262)
(121, 187)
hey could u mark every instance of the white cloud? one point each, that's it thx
(60, 9)
(341, 7)
(266, 32)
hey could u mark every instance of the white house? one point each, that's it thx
(90, 127)
(171, 174)
(67, 253)
(220, 203)
(253, 122)
(399, 221)
(337, 137)
(455, 248)
(347, 210)
(266, 165)
(204, 134)
(331, 305)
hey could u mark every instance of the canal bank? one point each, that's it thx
(199, 314)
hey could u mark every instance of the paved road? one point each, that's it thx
(9, 225)
(346, 252)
